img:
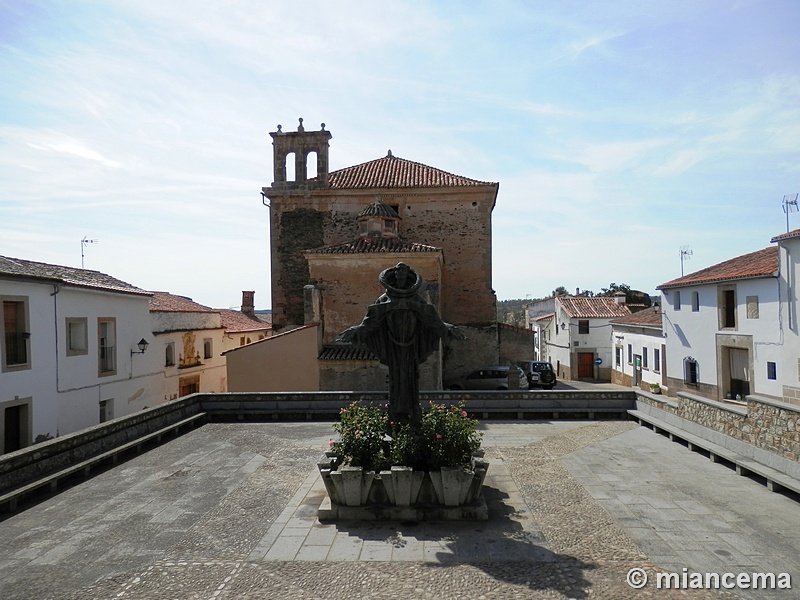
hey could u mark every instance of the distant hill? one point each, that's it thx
(512, 312)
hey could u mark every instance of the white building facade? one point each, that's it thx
(189, 342)
(581, 342)
(726, 328)
(639, 350)
(69, 351)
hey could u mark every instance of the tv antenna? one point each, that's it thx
(84, 242)
(789, 204)
(685, 254)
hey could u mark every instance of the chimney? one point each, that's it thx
(619, 297)
(248, 304)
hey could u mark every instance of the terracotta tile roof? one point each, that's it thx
(592, 308)
(763, 263)
(16, 268)
(237, 322)
(642, 318)
(545, 317)
(345, 353)
(379, 209)
(786, 236)
(166, 302)
(393, 172)
(376, 244)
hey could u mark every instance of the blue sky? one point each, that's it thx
(618, 131)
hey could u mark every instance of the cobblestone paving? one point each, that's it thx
(181, 521)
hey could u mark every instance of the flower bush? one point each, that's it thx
(447, 436)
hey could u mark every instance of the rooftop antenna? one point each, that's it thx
(789, 204)
(685, 254)
(85, 241)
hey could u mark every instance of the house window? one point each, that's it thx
(727, 309)
(630, 354)
(677, 301)
(169, 355)
(618, 355)
(107, 342)
(241, 341)
(208, 350)
(77, 336)
(656, 360)
(583, 326)
(772, 372)
(752, 307)
(644, 358)
(695, 301)
(689, 371)
(106, 410)
(16, 339)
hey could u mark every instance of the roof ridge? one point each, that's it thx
(393, 172)
(761, 263)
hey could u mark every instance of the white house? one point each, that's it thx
(188, 338)
(69, 350)
(581, 344)
(788, 367)
(727, 327)
(639, 349)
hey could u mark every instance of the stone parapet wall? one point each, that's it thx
(767, 424)
(39, 460)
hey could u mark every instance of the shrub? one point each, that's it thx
(447, 437)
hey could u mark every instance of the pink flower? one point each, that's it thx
(438, 436)
(463, 413)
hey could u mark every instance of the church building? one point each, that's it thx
(332, 233)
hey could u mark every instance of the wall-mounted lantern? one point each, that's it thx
(142, 347)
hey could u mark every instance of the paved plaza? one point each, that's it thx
(228, 511)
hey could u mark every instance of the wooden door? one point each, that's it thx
(586, 365)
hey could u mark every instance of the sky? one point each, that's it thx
(619, 131)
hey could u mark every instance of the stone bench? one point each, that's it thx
(775, 480)
(9, 500)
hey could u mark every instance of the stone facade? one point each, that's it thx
(436, 208)
(767, 424)
(333, 233)
(516, 343)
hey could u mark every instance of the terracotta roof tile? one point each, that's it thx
(379, 209)
(763, 263)
(238, 322)
(17, 268)
(345, 353)
(166, 302)
(377, 244)
(592, 308)
(393, 172)
(642, 318)
(786, 236)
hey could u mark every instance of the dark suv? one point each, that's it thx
(539, 373)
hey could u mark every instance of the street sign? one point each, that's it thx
(598, 361)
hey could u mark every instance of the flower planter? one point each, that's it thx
(402, 485)
(456, 486)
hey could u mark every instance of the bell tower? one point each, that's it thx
(299, 146)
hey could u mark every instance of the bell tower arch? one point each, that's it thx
(299, 146)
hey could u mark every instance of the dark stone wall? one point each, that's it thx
(300, 229)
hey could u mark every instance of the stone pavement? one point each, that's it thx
(228, 511)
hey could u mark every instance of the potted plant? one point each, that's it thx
(655, 388)
(443, 448)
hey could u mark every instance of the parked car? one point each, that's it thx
(539, 373)
(488, 378)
